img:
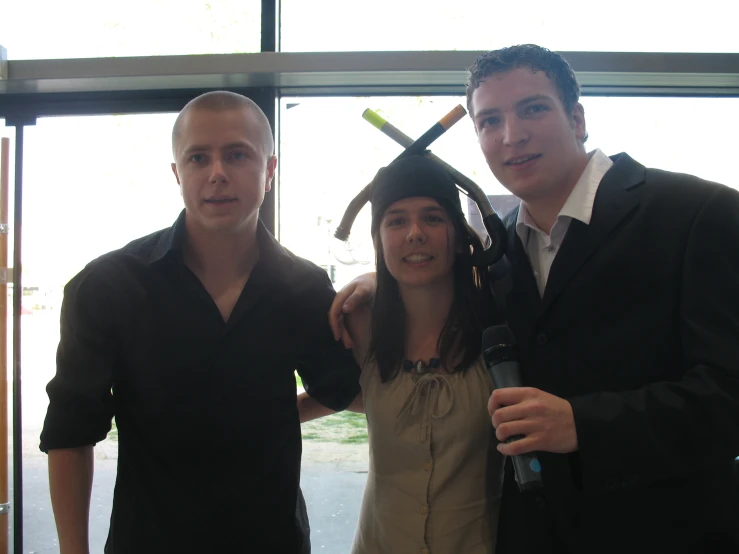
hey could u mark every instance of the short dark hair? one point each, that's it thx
(222, 100)
(536, 58)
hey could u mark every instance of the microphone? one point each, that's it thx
(501, 361)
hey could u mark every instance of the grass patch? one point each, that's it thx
(343, 428)
(113, 433)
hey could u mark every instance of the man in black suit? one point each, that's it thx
(623, 295)
(621, 286)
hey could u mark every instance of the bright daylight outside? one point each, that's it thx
(92, 184)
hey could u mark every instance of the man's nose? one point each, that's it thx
(217, 171)
(514, 132)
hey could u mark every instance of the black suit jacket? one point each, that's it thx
(638, 328)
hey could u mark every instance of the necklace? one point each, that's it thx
(420, 367)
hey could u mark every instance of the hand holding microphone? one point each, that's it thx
(526, 419)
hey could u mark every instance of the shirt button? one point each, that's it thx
(427, 466)
(541, 338)
(424, 551)
(424, 510)
(551, 248)
(541, 503)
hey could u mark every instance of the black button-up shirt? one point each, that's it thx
(209, 436)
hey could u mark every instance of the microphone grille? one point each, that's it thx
(497, 335)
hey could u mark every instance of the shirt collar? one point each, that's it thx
(579, 204)
(172, 243)
(172, 240)
(274, 260)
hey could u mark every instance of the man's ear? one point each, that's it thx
(578, 121)
(271, 167)
(176, 175)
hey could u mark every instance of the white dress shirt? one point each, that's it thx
(542, 247)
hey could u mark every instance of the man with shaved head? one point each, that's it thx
(190, 338)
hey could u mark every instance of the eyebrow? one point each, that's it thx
(528, 100)
(229, 146)
(234, 145)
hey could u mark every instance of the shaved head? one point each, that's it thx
(222, 100)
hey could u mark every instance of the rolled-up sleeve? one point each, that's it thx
(328, 370)
(80, 394)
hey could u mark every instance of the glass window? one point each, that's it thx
(336, 25)
(92, 29)
(676, 134)
(329, 152)
(90, 185)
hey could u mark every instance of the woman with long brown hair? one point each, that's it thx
(434, 477)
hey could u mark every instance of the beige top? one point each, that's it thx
(435, 476)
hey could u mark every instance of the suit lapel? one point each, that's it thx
(525, 290)
(512, 277)
(612, 204)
